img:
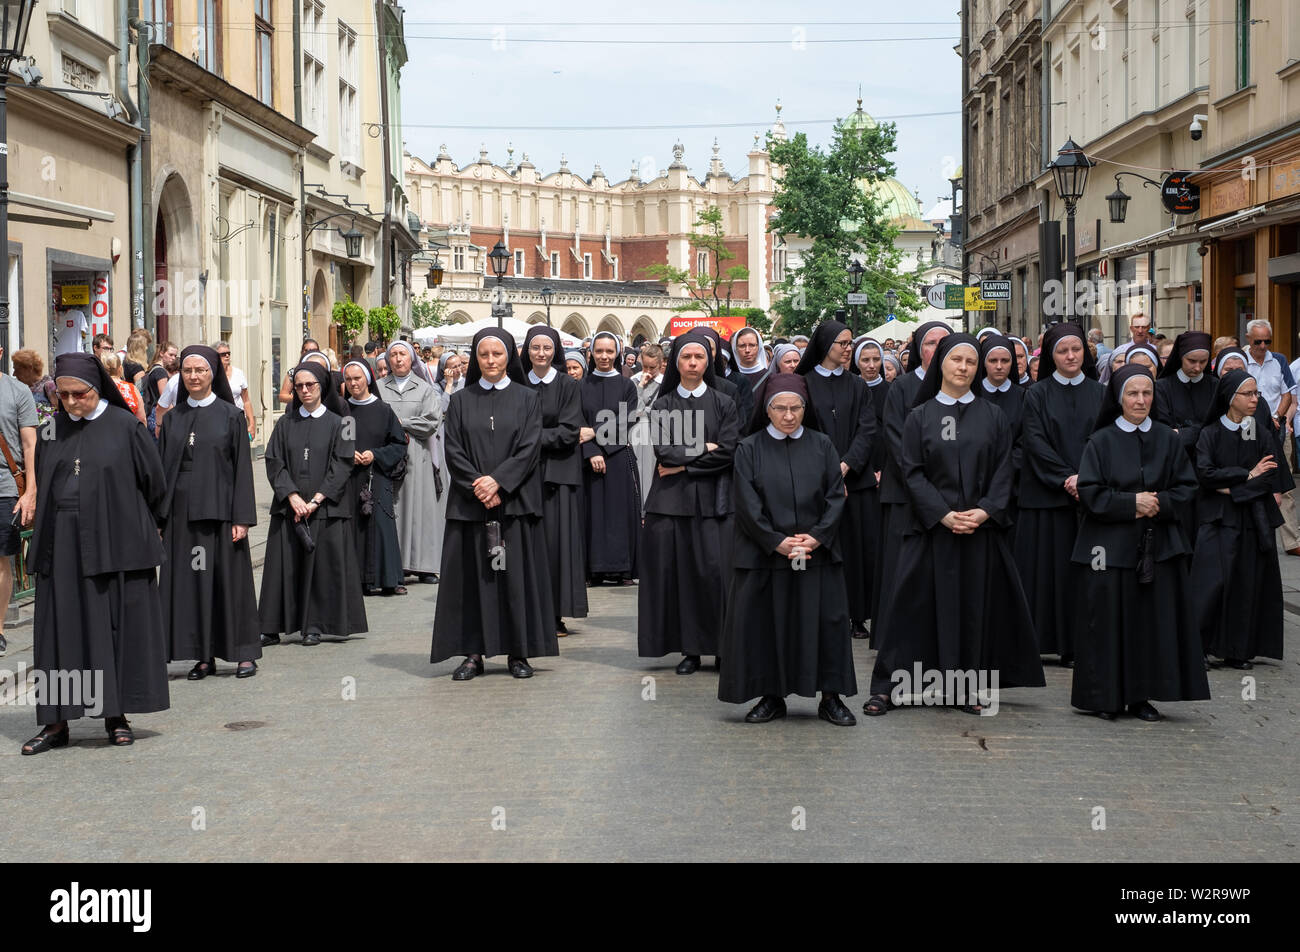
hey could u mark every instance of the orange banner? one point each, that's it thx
(725, 325)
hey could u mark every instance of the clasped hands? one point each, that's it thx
(674, 470)
(966, 521)
(797, 546)
(487, 491)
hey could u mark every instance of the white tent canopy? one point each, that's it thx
(902, 330)
(462, 335)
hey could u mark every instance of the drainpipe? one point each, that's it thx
(143, 37)
(132, 159)
(302, 170)
(385, 232)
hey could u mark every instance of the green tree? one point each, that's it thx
(427, 312)
(384, 322)
(350, 318)
(826, 196)
(710, 290)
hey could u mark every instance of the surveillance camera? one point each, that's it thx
(1196, 129)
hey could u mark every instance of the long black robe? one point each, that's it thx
(894, 502)
(209, 602)
(1183, 406)
(317, 591)
(876, 519)
(787, 629)
(94, 553)
(482, 610)
(612, 500)
(1012, 404)
(845, 408)
(562, 516)
(686, 543)
(957, 603)
(1056, 423)
(1134, 642)
(744, 396)
(379, 552)
(1236, 580)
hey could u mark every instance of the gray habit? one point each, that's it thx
(420, 518)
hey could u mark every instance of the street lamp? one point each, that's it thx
(548, 295)
(352, 239)
(15, 19)
(1117, 201)
(434, 277)
(891, 301)
(856, 271)
(1070, 170)
(500, 258)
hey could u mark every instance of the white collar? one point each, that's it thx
(607, 373)
(1186, 379)
(757, 368)
(205, 402)
(658, 379)
(401, 383)
(828, 373)
(550, 375)
(776, 434)
(315, 414)
(1026, 379)
(370, 398)
(875, 382)
(499, 385)
(94, 414)
(1074, 381)
(1128, 427)
(920, 373)
(697, 392)
(1006, 385)
(948, 401)
(1229, 424)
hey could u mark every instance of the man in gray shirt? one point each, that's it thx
(18, 427)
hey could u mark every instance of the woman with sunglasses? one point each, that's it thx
(311, 582)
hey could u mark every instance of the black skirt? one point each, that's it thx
(562, 524)
(109, 625)
(1134, 642)
(787, 632)
(613, 517)
(889, 540)
(209, 603)
(1044, 544)
(379, 552)
(858, 538)
(317, 591)
(679, 606)
(1237, 591)
(486, 612)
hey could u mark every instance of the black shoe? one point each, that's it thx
(860, 630)
(311, 638)
(689, 664)
(1067, 661)
(560, 629)
(4, 646)
(1104, 715)
(119, 732)
(1238, 664)
(520, 668)
(429, 578)
(877, 705)
(769, 708)
(832, 709)
(270, 640)
(46, 740)
(468, 669)
(717, 664)
(202, 670)
(246, 669)
(1145, 711)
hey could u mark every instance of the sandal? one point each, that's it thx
(399, 590)
(119, 732)
(877, 705)
(976, 709)
(47, 739)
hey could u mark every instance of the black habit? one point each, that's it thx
(208, 599)
(787, 628)
(613, 498)
(379, 553)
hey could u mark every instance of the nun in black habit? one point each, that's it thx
(871, 368)
(1184, 392)
(611, 494)
(94, 553)
(687, 535)
(1236, 579)
(1059, 413)
(843, 404)
(746, 368)
(378, 456)
(311, 582)
(561, 402)
(998, 386)
(495, 597)
(208, 599)
(787, 626)
(957, 606)
(721, 365)
(1136, 638)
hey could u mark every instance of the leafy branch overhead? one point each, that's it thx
(709, 289)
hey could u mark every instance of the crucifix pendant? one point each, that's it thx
(191, 438)
(492, 423)
(76, 467)
(306, 452)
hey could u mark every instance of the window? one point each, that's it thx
(780, 260)
(207, 36)
(314, 107)
(614, 276)
(458, 258)
(701, 263)
(156, 14)
(262, 26)
(1243, 44)
(555, 264)
(519, 263)
(586, 265)
(349, 103)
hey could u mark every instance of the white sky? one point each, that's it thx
(691, 89)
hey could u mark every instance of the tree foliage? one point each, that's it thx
(384, 322)
(350, 318)
(826, 197)
(427, 312)
(710, 291)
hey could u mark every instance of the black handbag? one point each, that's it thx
(1146, 569)
(304, 535)
(367, 498)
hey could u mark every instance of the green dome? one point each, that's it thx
(859, 120)
(896, 201)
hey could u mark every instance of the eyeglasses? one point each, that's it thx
(73, 394)
(223, 354)
(842, 343)
(787, 411)
(1248, 394)
(306, 386)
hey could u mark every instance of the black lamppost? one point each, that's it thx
(856, 271)
(500, 258)
(15, 18)
(547, 296)
(891, 301)
(1070, 169)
